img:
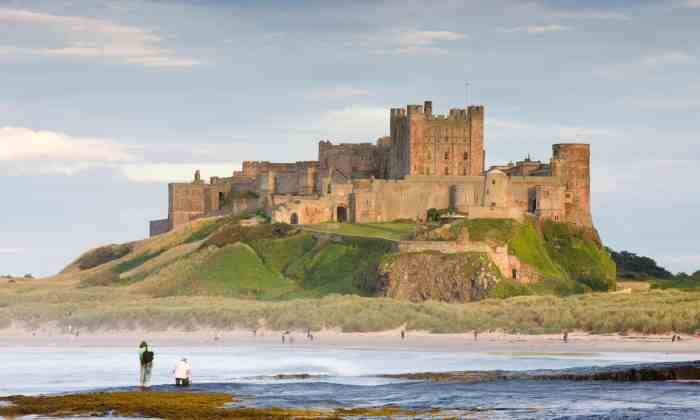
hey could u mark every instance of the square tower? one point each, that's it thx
(425, 144)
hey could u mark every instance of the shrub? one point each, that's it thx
(232, 233)
(102, 255)
(101, 278)
(507, 288)
(204, 231)
(136, 261)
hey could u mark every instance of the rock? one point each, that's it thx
(424, 276)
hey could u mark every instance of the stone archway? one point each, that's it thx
(342, 214)
(294, 219)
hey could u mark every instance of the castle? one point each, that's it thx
(428, 161)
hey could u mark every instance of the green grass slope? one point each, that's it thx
(220, 257)
(570, 259)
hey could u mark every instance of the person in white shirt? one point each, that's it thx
(183, 373)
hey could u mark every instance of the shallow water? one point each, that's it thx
(346, 377)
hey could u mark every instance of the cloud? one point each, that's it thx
(337, 92)
(25, 144)
(692, 4)
(94, 38)
(588, 14)
(539, 29)
(11, 250)
(176, 172)
(643, 66)
(356, 123)
(667, 57)
(663, 103)
(410, 42)
(23, 150)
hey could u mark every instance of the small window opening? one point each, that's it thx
(222, 200)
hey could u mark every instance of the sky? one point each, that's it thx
(102, 103)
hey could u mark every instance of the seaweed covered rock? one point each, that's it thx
(421, 276)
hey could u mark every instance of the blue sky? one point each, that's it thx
(103, 102)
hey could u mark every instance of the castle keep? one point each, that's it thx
(428, 161)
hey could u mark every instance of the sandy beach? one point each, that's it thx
(579, 343)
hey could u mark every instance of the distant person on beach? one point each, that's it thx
(476, 335)
(403, 334)
(183, 373)
(566, 337)
(146, 363)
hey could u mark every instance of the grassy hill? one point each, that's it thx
(216, 273)
(220, 257)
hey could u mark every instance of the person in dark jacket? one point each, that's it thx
(146, 364)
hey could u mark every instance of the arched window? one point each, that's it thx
(294, 220)
(447, 171)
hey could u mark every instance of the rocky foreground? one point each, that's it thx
(670, 371)
(181, 405)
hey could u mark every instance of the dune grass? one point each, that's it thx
(115, 308)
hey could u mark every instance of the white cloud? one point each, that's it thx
(664, 103)
(692, 4)
(11, 250)
(648, 64)
(23, 150)
(667, 57)
(337, 92)
(589, 14)
(176, 172)
(355, 123)
(95, 38)
(25, 144)
(539, 29)
(410, 42)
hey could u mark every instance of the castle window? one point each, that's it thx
(447, 171)
(493, 182)
(447, 155)
(515, 274)
(466, 155)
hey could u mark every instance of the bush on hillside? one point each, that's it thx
(232, 233)
(102, 255)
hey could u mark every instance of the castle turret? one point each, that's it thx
(572, 163)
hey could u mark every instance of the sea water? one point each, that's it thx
(350, 376)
